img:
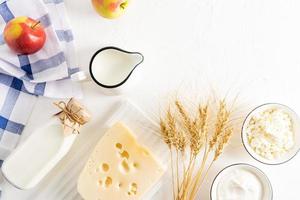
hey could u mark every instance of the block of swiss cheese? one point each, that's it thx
(119, 168)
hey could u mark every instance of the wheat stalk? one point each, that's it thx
(164, 133)
(222, 142)
(187, 121)
(199, 138)
(222, 120)
(188, 131)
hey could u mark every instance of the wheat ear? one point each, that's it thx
(222, 120)
(223, 141)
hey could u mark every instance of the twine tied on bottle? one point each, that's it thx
(72, 115)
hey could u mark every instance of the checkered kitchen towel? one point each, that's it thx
(45, 73)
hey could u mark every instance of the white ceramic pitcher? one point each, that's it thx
(111, 69)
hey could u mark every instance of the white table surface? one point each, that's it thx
(248, 47)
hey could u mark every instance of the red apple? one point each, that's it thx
(24, 35)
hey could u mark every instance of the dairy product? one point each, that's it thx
(119, 168)
(270, 133)
(34, 158)
(111, 66)
(240, 184)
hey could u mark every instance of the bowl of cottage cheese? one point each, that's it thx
(271, 133)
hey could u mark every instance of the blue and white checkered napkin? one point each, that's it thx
(45, 73)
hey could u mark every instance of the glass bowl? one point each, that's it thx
(296, 126)
(265, 182)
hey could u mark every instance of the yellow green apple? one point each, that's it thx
(110, 9)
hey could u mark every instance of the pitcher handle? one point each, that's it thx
(81, 76)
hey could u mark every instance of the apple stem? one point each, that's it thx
(34, 25)
(123, 5)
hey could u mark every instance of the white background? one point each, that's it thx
(250, 47)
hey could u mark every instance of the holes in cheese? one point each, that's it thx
(108, 181)
(136, 165)
(119, 146)
(132, 189)
(125, 154)
(124, 166)
(132, 169)
(105, 167)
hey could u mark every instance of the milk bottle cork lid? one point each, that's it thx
(72, 115)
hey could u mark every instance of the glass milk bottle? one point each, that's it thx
(31, 161)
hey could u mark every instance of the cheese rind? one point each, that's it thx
(119, 168)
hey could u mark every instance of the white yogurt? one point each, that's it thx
(240, 184)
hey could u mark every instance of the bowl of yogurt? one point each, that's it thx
(241, 181)
(270, 133)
